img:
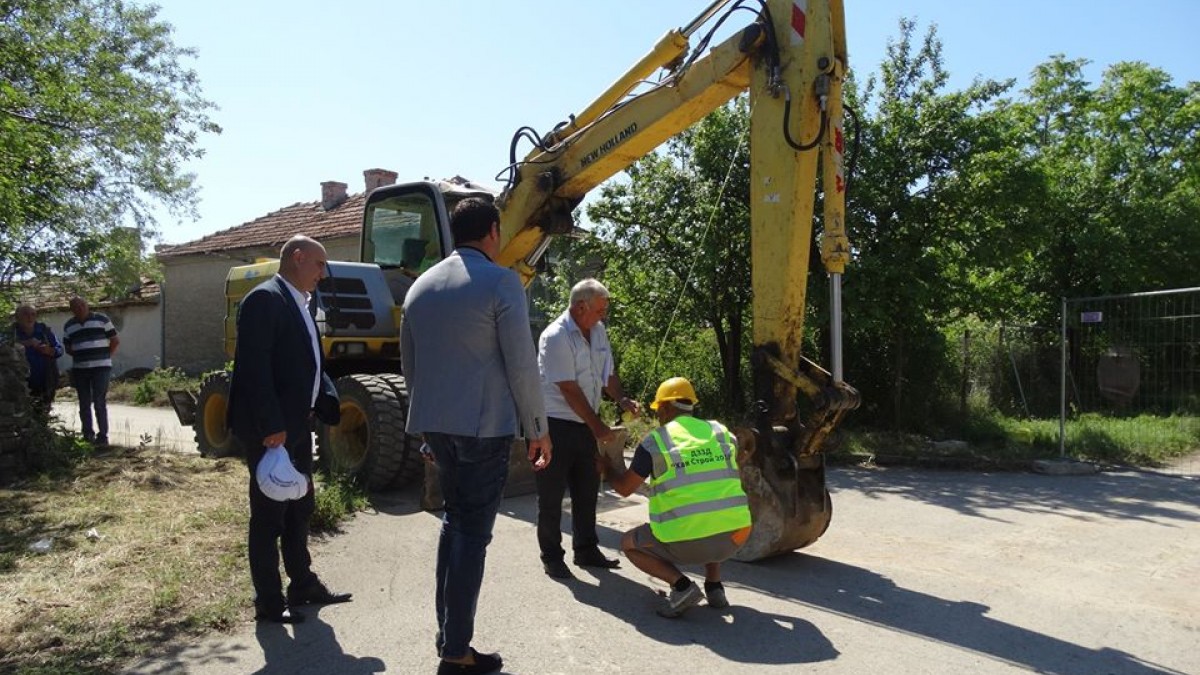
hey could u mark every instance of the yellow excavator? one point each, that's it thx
(791, 59)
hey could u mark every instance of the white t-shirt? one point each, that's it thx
(564, 355)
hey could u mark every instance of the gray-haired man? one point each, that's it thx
(576, 364)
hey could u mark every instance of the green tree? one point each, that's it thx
(675, 237)
(98, 115)
(1122, 206)
(930, 213)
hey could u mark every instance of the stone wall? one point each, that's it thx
(15, 420)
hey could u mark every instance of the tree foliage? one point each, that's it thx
(98, 115)
(1121, 211)
(675, 236)
(930, 216)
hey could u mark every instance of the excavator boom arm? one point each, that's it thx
(792, 61)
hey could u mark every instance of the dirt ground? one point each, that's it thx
(921, 572)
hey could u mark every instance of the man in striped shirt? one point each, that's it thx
(91, 340)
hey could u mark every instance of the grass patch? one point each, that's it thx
(1145, 440)
(146, 546)
(990, 440)
(167, 557)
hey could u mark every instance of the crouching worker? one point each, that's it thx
(698, 511)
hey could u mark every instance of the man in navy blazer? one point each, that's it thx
(275, 384)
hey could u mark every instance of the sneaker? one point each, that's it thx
(679, 602)
(716, 597)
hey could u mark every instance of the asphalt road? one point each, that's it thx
(134, 425)
(921, 572)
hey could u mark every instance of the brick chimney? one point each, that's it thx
(374, 178)
(333, 194)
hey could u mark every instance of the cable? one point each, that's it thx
(534, 137)
(787, 130)
(774, 58)
(692, 268)
(850, 163)
(702, 44)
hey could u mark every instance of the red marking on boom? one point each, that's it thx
(798, 20)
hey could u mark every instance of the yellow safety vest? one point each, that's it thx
(699, 493)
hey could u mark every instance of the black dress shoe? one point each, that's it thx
(484, 663)
(557, 569)
(284, 616)
(316, 594)
(596, 559)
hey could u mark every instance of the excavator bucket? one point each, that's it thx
(789, 503)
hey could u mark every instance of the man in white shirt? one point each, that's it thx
(576, 364)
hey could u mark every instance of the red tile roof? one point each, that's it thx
(48, 294)
(273, 229)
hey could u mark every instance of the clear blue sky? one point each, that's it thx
(313, 91)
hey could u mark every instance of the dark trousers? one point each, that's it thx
(42, 397)
(277, 527)
(92, 387)
(472, 473)
(573, 468)
(43, 389)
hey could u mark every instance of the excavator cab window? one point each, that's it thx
(401, 231)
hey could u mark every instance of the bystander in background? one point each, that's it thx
(42, 350)
(91, 340)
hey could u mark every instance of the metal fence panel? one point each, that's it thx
(1130, 355)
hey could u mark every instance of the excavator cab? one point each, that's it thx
(405, 231)
(406, 228)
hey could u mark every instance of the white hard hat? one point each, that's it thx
(277, 478)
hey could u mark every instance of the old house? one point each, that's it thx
(193, 294)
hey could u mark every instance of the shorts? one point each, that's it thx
(711, 549)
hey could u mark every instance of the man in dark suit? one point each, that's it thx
(275, 385)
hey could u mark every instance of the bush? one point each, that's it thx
(151, 389)
(337, 498)
(53, 449)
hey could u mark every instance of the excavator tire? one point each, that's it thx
(213, 437)
(412, 466)
(368, 443)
